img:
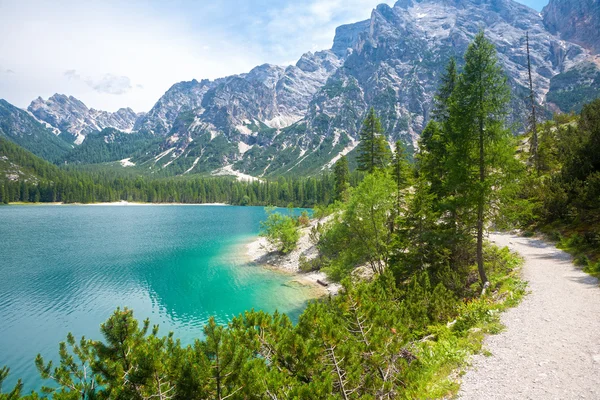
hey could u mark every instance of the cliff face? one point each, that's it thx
(577, 21)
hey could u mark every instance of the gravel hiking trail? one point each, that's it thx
(550, 348)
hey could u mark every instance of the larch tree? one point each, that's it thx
(372, 151)
(481, 147)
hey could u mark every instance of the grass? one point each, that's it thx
(443, 359)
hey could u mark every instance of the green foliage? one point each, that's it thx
(562, 199)
(480, 147)
(73, 377)
(304, 219)
(280, 230)
(361, 233)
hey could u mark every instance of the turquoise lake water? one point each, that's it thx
(67, 268)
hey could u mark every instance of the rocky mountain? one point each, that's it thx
(391, 61)
(577, 21)
(300, 119)
(72, 117)
(277, 96)
(21, 128)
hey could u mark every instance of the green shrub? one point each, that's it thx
(593, 269)
(280, 230)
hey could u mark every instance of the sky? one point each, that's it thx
(113, 53)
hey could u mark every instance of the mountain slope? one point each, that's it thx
(577, 21)
(21, 128)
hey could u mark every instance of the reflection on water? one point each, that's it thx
(66, 268)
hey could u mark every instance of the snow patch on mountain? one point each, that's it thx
(126, 162)
(243, 147)
(193, 166)
(342, 153)
(228, 170)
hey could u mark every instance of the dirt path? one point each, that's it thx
(551, 346)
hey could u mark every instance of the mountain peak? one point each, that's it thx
(70, 115)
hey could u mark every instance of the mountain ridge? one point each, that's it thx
(296, 119)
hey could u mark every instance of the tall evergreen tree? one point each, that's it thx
(402, 173)
(433, 143)
(442, 99)
(342, 177)
(482, 147)
(372, 150)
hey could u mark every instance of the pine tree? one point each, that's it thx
(372, 150)
(481, 148)
(342, 178)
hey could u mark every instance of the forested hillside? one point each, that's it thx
(22, 129)
(27, 178)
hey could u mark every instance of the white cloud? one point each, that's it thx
(109, 83)
(117, 44)
(72, 74)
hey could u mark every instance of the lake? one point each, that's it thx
(67, 268)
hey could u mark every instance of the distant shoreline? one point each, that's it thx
(116, 203)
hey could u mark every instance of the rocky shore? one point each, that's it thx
(261, 252)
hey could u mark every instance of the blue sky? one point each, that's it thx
(535, 4)
(113, 53)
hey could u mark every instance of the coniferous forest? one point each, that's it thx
(45, 183)
(421, 286)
